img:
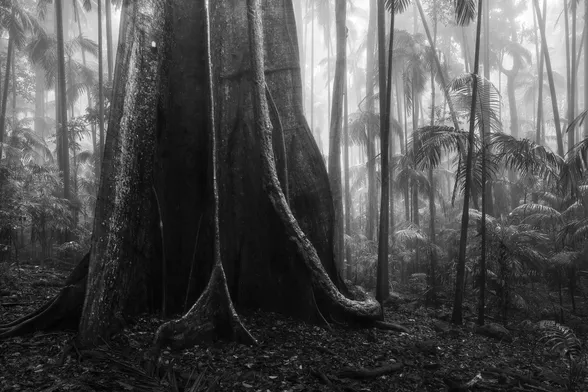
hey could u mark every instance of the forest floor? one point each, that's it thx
(291, 356)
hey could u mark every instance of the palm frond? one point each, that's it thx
(465, 11)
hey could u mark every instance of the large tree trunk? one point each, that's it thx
(276, 256)
(335, 132)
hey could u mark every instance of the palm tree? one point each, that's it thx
(457, 316)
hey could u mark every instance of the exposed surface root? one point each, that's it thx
(62, 311)
(370, 373)
(212, 317)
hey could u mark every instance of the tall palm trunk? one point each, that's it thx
(457, 315)
(61, 98)
(109, 51)
(372, 210)
(488, 204)
(317, 136)
(9, 59)
(541, 61)
(100, 86)
(432, 293)
(569, 60)
(382, 285)
(440, 70)
(558, 135)
(574, 74)
(348, 205)
(585, 64)
(487, 189)
(335, 132)
(88, 94)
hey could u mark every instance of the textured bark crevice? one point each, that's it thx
(275, 256)
(213, 316)
(123, 229)
(334, 302)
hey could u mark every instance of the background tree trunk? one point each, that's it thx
(554, 104)
(457, 316)
(372, 210)
(382, 284)
(61, 100)
(335, 132)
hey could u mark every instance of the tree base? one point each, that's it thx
(212, 317)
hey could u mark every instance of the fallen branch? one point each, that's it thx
(363, 373)
(390, 326)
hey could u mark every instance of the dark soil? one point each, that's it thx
(292, 356)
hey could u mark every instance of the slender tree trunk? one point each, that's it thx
(440, 70)
(569, 60)
(348, 204)
(558, 134)
(335, 132)
(372, 209)
(102, 136)
(89, 97)
(573, 77)
(9, 59)
(382, 284)
(585, 65)
(541, 61)
(488, 189)
(484, 135)
(61, 98)
(39, 124)
(432, 292)
(109, 51)
(457, 316)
